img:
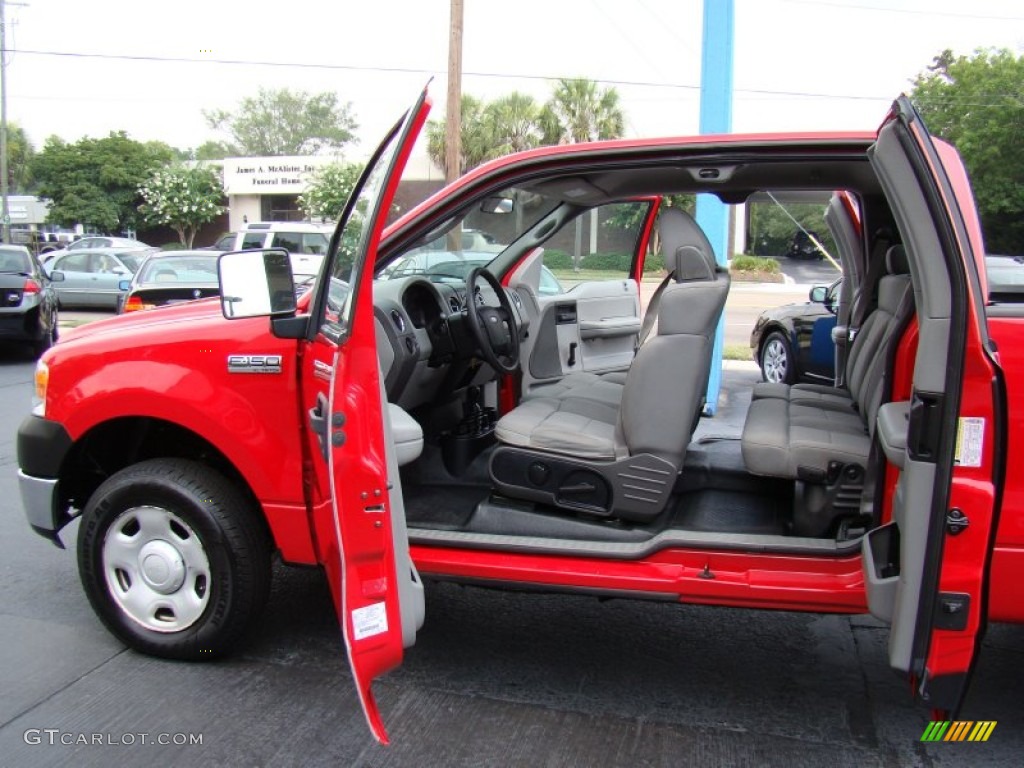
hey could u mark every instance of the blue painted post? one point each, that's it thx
(716, 117)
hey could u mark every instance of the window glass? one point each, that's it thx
(290, 241)
(314, 243)
(74, 262)
(252, 240)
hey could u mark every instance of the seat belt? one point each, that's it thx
(652, 309)
(865, 291)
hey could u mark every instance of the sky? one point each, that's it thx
(77, 68)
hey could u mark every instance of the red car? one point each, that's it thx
(479, 432)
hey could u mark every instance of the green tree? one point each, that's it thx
(19, 159)
(579, 110)
(328, 190)
(514, 124)
(215, 150)
(977, 103)
(475, 135)
(286, 122)
(771, 230)
(182, 197)
(95, 182)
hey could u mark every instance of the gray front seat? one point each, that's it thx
(689, 258)
(621, 459)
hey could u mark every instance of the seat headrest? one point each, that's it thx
(684, 245)
(896, 261)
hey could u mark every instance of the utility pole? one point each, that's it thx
(5, 232)
(453, 119)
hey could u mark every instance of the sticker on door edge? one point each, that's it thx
(369, 620)
(970, 437)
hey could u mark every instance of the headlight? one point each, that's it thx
(42, 382)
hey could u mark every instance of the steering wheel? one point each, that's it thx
(494, 328)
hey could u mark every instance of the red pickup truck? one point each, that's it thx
(456, 422)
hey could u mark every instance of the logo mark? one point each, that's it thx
(254, 363)
(959, 730)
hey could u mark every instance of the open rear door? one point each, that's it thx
(926, 571)
(359, 522)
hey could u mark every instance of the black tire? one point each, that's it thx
(776, 359)
(49, 338)
(153, 509)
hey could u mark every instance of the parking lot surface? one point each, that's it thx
(495, 679)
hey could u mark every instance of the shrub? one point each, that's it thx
(610, 262)
(744, 263)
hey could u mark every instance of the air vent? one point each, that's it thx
(398, 320)
(455, 304)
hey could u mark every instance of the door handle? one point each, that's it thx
(319, 426)
(318, 423)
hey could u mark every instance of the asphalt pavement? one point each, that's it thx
(495, 678)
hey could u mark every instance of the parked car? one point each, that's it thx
(442, 266)
(306, 243)
(98, 241)
(106, 241)
(171, 277)
(225, 242)
(1005, 278)
(92, 278)
(28, 304)
(794, 343)
(802, 246)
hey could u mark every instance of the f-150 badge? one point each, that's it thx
(254, 363)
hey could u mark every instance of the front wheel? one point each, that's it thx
(777, 359)
(173, 559)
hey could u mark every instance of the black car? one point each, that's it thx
(794, 342)
(28, 307)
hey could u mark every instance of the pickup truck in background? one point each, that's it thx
(476, 430)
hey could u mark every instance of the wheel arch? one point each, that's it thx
(112, 445)
(774, 326)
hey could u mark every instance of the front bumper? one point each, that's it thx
(40, 498)
(42, 446)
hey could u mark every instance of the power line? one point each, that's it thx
(431, 72)
(905, 11)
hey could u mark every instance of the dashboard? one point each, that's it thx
(426, 347)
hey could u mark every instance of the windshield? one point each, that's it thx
(473, 238)
(195, 270)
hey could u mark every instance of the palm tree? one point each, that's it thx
(477, 142)
(514, 124)
(579, 110)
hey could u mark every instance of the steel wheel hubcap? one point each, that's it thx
(156, 569)
(775, 362)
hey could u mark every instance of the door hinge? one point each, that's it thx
(956, 522)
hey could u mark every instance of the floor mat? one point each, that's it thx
(730, 512)
(441, 507)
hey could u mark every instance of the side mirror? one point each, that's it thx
(818, 294)
(497, 205)
(56, 277)
(124, 285)
(256, 284)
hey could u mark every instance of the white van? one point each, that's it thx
(306, 243)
